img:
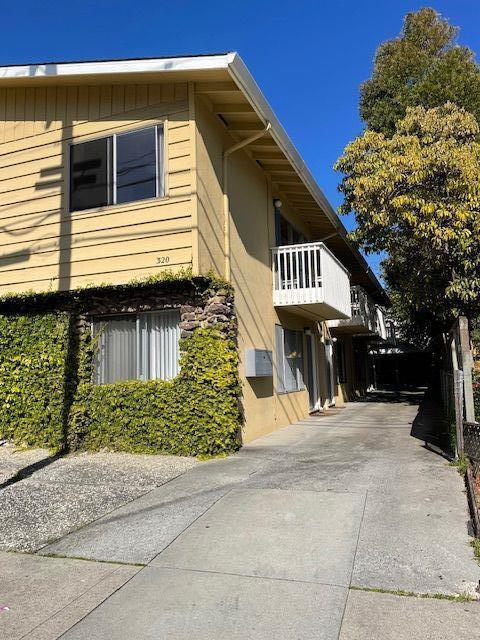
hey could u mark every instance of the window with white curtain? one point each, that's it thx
(143, 346)
(289, 359)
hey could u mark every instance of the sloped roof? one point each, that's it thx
(236, 99)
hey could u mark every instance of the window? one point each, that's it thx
(142, 346)
(285, 232)
(121, 168)
(355, 298)
(289, 360)
(340, 362)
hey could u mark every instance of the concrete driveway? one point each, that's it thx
(309, 532)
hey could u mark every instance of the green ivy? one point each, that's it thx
(48, 400)
(197, 413)
(33, 351)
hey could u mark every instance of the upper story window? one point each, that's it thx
(120, 168)
(285, 232)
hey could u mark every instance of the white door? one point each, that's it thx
(312, 372)
(329, 371)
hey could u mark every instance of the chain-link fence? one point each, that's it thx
(471, 438)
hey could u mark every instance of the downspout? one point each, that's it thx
(226, 205)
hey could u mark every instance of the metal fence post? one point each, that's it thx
(458, 379)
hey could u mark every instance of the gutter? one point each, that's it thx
(107, 67)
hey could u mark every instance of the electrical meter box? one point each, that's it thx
(258, 363)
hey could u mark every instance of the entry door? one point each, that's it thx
(329, 371)
(312, 374)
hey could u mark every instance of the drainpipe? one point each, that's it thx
(226, 205)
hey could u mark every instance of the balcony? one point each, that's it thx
(365, 318)
(309, 280)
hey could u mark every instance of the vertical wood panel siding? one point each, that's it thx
(44, 246)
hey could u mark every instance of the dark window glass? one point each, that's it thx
(136, 166)
(89, 183)
(341, 362)
(285, 232)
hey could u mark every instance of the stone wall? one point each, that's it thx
(214, 310)
(198, 309)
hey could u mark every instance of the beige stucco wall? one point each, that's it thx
(252, 236)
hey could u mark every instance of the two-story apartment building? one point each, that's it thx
(116, 170)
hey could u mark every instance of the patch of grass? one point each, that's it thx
(461, 464)
(475, 544)
(460, 597)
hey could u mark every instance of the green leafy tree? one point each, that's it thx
(422, 67)
(416, 195)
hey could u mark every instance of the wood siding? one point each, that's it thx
(43, 245)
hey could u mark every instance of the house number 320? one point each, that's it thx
(163, 260)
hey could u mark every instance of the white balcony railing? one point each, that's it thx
(309, 274)
(366, 316)
(364, 310)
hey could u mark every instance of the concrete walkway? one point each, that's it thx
(284, 540)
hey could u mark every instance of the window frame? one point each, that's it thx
(141, 356)
(281, 360)
(292, 229)
(341, 363)
(160, 159)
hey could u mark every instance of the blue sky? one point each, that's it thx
(308, 56)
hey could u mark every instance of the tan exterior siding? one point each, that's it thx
(210, 142)
(43, 245)
(252, 235)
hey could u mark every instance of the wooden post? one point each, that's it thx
(467, 366)
(458, 384)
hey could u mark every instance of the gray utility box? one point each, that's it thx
(258, 363)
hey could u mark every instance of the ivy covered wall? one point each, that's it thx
(46, 361)
(33, 351)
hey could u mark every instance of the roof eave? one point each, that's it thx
(234, 65)
(109, 67)
(245, 80)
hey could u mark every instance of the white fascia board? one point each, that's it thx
(109, 67)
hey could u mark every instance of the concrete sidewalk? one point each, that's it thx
(270, 542)
(44, 497)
